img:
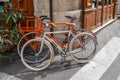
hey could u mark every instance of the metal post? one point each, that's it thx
(51, 11)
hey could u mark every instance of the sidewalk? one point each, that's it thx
(105, 65)
(103, 36)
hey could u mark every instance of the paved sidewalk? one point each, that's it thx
(105, 65)
(18, 71)
(4, 76)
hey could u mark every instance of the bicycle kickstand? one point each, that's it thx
(64, 62)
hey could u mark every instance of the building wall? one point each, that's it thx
(61, 8)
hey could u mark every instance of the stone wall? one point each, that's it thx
(41, 7)
(61, 8)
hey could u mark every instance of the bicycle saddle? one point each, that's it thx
(71, 17)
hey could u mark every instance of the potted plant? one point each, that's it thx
(9, 33)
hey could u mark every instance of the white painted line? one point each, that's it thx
(101, 62)
(118, 77)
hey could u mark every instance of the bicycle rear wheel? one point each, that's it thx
(37, 58)
(83, 47)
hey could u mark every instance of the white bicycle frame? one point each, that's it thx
(53, 42)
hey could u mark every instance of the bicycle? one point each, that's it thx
(28, 31)
(41, 56)
(33, 30)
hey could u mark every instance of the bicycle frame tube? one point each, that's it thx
(54, 41)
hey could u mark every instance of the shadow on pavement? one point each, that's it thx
(17, 69)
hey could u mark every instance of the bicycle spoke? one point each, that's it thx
(84, 51)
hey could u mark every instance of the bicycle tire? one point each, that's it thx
(81, 46)
(36, 66)
(21, 41)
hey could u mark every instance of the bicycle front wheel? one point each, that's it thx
(83, 47)
(38, 57)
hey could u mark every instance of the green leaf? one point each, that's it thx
(14, 20)
(1, 42)
(6, 30)
(1, 30)
(20, 16)
(14, 15)
(8, 41)
(6, 35)
(8, 18)
(0, 38)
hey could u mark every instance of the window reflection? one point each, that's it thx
(109, 1)
(105, 2)
(99, 2)
(93, 3)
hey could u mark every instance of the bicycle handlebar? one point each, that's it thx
(43, 16)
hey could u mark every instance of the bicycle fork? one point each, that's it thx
(41, 48)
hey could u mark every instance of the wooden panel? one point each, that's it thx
(27, 5)
(93, 17)
(101, 12)
(109, 7)
(89, 4)
(15, 3)
(99, 17)
(90, 20)
(107, 13)
(104, 14)
(30, 8)
(111, 11)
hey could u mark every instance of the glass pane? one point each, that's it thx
(112, 1)
(4, 0)
(99, 2)
(93, 3)
(105, 2)
(109, 1)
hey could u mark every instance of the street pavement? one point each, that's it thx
(57, 71)
(101, 63)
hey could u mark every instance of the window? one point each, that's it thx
(2, 5)
(105, 2)
(109, 1)
(93, 3)
(99, 2)
(5, 0)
